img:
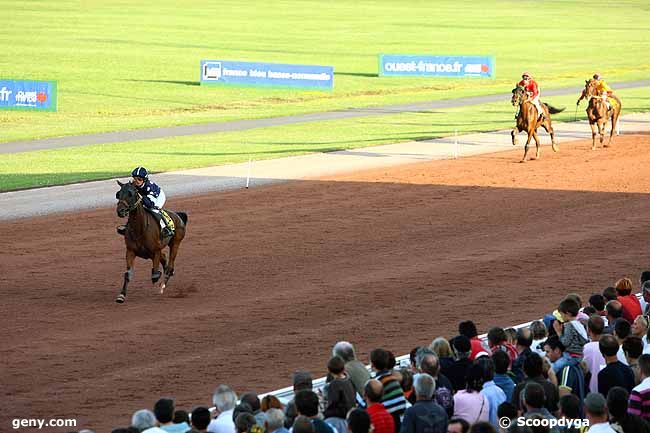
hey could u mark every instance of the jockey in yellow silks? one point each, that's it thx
(602, 88)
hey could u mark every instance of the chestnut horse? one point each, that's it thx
(598, 113)
(142, 237)
(528, 120)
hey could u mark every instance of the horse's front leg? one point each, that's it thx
(601, 132)
(513, 133)
(538, 145)
(128, 276)
(530, 135)
(593, 135)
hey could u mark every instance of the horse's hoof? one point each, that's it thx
(522, 161)
(120, 299)
(606, 145)
(162, 288)
(555, 148)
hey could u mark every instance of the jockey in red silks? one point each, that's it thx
(532, 88)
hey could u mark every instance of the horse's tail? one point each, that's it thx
(553, 110)
(182, 216)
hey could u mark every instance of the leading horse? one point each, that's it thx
(143, 239)
(599, 114)
(528, 120)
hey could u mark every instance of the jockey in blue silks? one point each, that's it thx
(153, 197)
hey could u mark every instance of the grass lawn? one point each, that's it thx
(125, 64)
(24, 170)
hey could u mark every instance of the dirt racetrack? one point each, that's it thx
(268, 279)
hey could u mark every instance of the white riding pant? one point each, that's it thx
(159, 202)
(538, 105)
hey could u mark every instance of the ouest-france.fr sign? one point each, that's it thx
(436, 66)
(233, 73)
(27, 95)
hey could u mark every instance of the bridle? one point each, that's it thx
(131, 207)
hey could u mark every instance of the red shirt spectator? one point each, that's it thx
(477, 347)
(631, 304)
(381, 420)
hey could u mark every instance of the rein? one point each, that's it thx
(135, 204)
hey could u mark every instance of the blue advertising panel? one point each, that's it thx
(27, 95)
(397, 65)
(225, 72)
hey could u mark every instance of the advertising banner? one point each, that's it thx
(397, 65)
(27, 95)
(225, 72)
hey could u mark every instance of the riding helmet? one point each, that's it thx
(140, 172)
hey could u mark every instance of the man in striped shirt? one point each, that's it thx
(393, 398)
(640, 395)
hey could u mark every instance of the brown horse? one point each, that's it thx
(528, 120)
(598, 113)
(142, 237)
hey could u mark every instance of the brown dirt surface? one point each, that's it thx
(270, 278)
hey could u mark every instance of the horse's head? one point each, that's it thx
(590, 88)
(128, 199)
(518, 95)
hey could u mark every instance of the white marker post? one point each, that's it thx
(250, 168)
(456, 145)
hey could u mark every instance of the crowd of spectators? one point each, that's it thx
(584, 366)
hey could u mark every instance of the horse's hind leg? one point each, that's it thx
(173, 250)
(538, 147)
(155, 271)
(547, 126)
(128, 275)
(526, 147)
(601, 132)
(614, 126)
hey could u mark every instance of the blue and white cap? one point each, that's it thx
(140, 172)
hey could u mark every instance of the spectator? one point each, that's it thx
(619, 417)
(358, 421)
(200, 420)
(274, 421)
(598, 302)
(254, 402)
(482, 427)
(457, 374)
(640, 326)
(181, 416)
(572, 333)
(633, 348)
(511, 334)
(498, 340)
(412, 357)
(610, 294)
(630, 303)
(540, 335)
(509, 411)
(614, 313)
(645, 300)
(425, 416)
(444, 392)
(571, 409)
(355, 369)
(523, 342)
(301, 381)
(533, 368)
(270, 402)
(640, 396)
(340, 395)
(622, 330)
(501, 378)
(224, 399)
(615, 372)
(307, 405)
(440, 346)
(303, 424)
(164, 411)
(494, 394)
(242, 407)
(596, 413)
(407, 383)
(468, 329)
(570, 377)
(470, 404)
(381, 420)
(393, 398)
(533, 401)
(145, 421)
(592, 357)
(457, 425)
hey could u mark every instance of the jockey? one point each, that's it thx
(532, 89)
(602, 88)
(153, 197)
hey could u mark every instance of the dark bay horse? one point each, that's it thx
(528, 120)
(142, 237)
(598, 113)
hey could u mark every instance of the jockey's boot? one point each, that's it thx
(166, 232)
(121, 230)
